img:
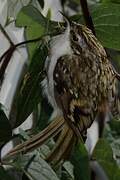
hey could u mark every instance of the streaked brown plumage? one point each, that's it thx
(84, 86)
(85, 80)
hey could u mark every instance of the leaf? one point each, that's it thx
(33, 32)
(30, 94)
(103, 150)
(43, 113)
(5, 127)
(29, 15)
(3, 12)
(115, 1)
(112, 134)
(115, 126)
(111, 1)
(77, 18)
(69, 171)
(80, 160)
(14, 7)
(106, 18)
(104, 156)
(31, 18)
(35, 167)
(35, 25)
(39, 169)
(4, 175)
(49, 14)
(107, 25)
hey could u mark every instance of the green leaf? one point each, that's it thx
(106, 18)
(5, 127)
(33, 32)
(107, 25)
(77, 18)
(4, 175)
(49, 14)
(35, 25)
(115, 126)
(42, 113)
(111, 1)
(112, 134)
(29, 15)
(115, 1)
(80, 160)
(30, 94)
(104, 156)
(103, 150)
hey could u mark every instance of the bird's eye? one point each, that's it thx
(75, 37)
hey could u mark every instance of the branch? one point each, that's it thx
(5, 62)
(87, 16)
(8, 54)
(6, 35)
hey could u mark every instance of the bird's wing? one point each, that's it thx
(75, 92)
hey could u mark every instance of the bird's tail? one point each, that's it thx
(37, 140)
(62, 147)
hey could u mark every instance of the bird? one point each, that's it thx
(80, 84)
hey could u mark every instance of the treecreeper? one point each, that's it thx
(80, 84)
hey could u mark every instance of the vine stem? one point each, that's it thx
(6, 35)
(6, 57)
(90, 25)
(8, 54)
(87, 16)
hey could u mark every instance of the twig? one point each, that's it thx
(29, 41)
(6, 35)
(20, 44)
(8, 54)
(5, 62)
(4, 54)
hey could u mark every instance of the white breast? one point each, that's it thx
(59, 46)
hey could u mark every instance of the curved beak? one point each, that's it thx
(66, 18)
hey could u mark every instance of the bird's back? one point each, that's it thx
(84, 82)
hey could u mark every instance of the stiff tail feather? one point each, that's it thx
(63, 146)
(50, 131)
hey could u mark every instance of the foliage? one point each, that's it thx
(5, 127)
(30, 92)
(104, 156)
(106, 17)
(81, 155)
